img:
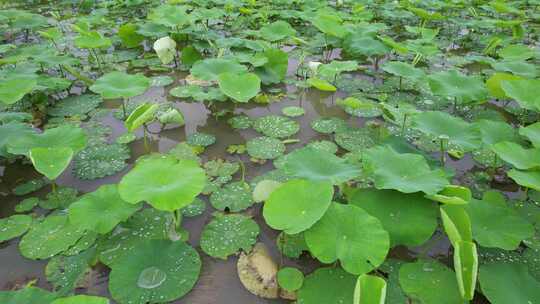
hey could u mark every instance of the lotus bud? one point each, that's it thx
(314, 66)
(165, 49)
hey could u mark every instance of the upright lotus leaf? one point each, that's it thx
(14, 89)
(51, 162)
(452, 195)
(454, 84)
(101, 210)
(240, 87)
(66, 136)
(27, 295)
(329, 24)
(403, 69)
(81, 299)
(466, 267)
(410, 219)
(441, 124)
(10, 131)
(290, 279)
(275, 68)
(172, 16)
(349, 234)
(327, 285)
(370, 289)
(456, 223)
(297, 205)
(120, 85)
(519, 157)
(529, 179)
(210, 69)
(276, 126)
(503, 282)
(163, 181)
(227, 234)
(494, 82)
(129, 36)
(359, 44)
(506, 232)
(165, 49)
(493, 131)
(532, 133)
(49, 237)
(276, 31)
(429, 282)
(155, 271)
(319, 165)
(524, 92)
(14, 226)
(334, 68)
(143, 114)
(405, 172)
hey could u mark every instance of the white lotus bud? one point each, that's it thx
(165, 49)
(314, 66)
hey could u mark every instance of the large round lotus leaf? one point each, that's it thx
(27, 295)
(61, 198)
(75, 105)
(403, 69)
(100, 160)
(290, 278)
(529, 179)
(210, 69)
(493, 131)
(66, 136)
(429, 282)
(519, 157)
(240, 87)
(520, 68)
(227, 234)
(276, 31)
(155, 271)
(517, 52)
(506, 232)
(164, 182)
(327, 125)
(14, 226)
(234, 197)
(265, 147)
(319, 165)
(14, 89)
(410, 219)
(494, 82)
(201, 139)
(81, 299)
(359, 44)
(65, 273)
(49, 237)
(327, 285)
(120, 85)
(101, 210)
(524, 92)
(275, 68)
(405, 172)
(458, 131)
(221, 168)
(51, 162)
(321, 84)
(276, 126)
(297, 205)
(330, 24)
(349, 234)
(532, 133)
(354, 139)
(10, 131)
(454, 84)
(505, 283)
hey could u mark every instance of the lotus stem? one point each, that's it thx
(124, 108)
(145, 140)
(443, 156)
(400, 82)
(53, 185)
(403, 125)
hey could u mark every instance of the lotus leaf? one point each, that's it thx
(290, 279)
(129, 36)
(51, 162)
(532, 133)
(201, 139)
(172, 16)
(143, 114)
(518, 156)
(240, 122)
(329, 24)
(81, 299)
(92, 40)
(63, 136)
(233, 197)
(493, 132)
(517, 52)
(293, 111)
(210, 69)
(517, 67)
(27, 204)
(508, 283)
(327, 285)
(466, 267)
(324, 145)
(529, 179)
(27, 295)
(66, 273)
(164, 182)
(198, 93)
(370, 289)
(264, 188)
(75, 105)
(327, 125)
(227, 234)
(61, 198)
(493, 84)
(13, 90)
(297, 205)
(524, 92)
(454, 84)
(240, 87)
(358, 44)
(276, 126)
(354, 139)
(197, 207)
(120, 85)
(456, 223)
(277, 31)
(171, 116)
(156, 271)
(291, 245)
(321, 84)
(403, 69)
(98, 161)
(14, 226)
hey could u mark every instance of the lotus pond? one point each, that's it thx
(245, 152)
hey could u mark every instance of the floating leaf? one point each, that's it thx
(529, 179)
(518, 156)
(27, 295)
(327, 125)
(454, 84)
(14, 226)
(505, 283)
(329, 24)
(291, 245)
(276, 126)
(233, 197)
(321, 84)
(264, 188)
(532, 132)
(63, 136)
(403, 69)
(265, 147)
(14, 89)
(75, 105)
(276, 31)
(240, 87)
(99, 160)
(51, 162)
(81, 299)
(197, 207)
(66, 273)
(290, 279)
(200, 139)
(524, 92)
(327, 285)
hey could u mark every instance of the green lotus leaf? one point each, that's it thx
(100, 160)
(517, 67)
(233, 197)
(506, 232)
(466, 267)
(293, 111)
(529, 179)
(318, 165)
(120, 85)
(172, 16)
(142, 114)
(161, 81)
(200, 139)
(334, 68)
(327, 285)
(291, 245)
(190, 55)
(532, 133)
(329, 24)
(454, 84)
(198, 93)
(370, 289)
(360, 107)
(405, 172)
(410, 219)
(14, 89)
(493, 84)
(227, 234)
(92, 40)
(27, 295)
(440, 124)
(129, 36)
(155, 271)
(505, 283)
(340, 234)
(210, 69)
(65, 273)
(352, 139)
(51, 162)
(297, 205)
(264, 188)
(265, 147)
(327, 125)
(66, 136)
(519, 157)
(524, 92)
(452, 195)
(197, 207)
(358, 44)
(101, 210)
(87, 240)
(61, 198)
(81, 299)
(276, 31)
(7, 117)
(429, 282)
(321, 84)
(49, 237)
(26, 205)
(493, 132)
(323, 145)
(240, 122)
(403, 69)
(240, 87)
(456, 223)
(164, 182)
(14, 226)
(290, 279)
(171, 116)
(221, 168)
(75, 105)
(517, 52)
(275, 68)
(276, 126)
